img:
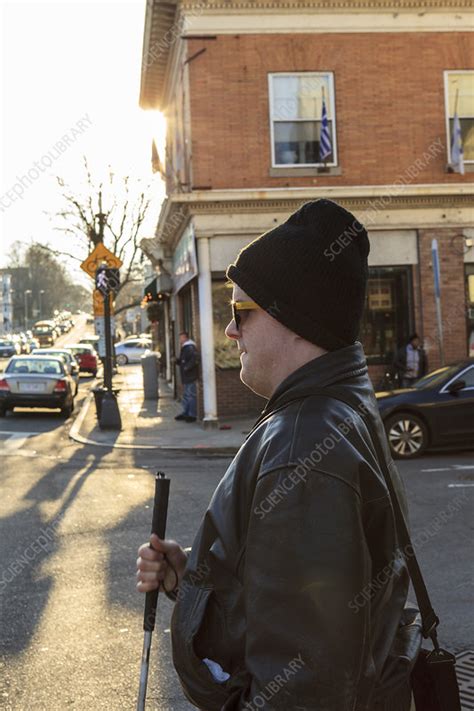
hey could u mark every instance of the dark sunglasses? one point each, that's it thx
(238, 306)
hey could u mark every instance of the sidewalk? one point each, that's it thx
(150, 424)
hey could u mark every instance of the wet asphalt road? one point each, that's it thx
(71, 520)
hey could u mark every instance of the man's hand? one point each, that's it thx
(154, 569)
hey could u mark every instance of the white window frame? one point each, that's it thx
(446, 73)
(331, 102)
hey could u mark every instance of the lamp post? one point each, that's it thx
(41, 292)
(27, 292)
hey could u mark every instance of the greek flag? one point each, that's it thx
(325, 147)
(457, 153)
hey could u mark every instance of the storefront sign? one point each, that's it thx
(184, 259)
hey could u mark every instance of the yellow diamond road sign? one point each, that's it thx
(99, 255)
(98, 303)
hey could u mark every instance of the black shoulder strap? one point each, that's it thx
(428, 616)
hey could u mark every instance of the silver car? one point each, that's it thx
(131, 350)
(67, 356)
(35, 381)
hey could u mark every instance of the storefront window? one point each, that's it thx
(186, 307)
(225, 351)
(387, 320)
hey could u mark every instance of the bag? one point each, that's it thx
(433, 679)
(434, 683)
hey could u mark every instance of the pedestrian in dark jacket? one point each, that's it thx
(294, 594)
(410, 362)
(188, 362)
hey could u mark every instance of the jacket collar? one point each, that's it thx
(329, 369)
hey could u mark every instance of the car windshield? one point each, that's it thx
(437, 377)
(47, 354)
(81, 350)
(42, 329)
(41, 366)
(62, 354)
(5, 343)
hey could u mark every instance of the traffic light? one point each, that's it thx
(107, 279)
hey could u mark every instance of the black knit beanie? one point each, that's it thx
(310, 273)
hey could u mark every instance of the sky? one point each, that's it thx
(69, 68)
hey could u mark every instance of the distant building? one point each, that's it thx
(242, 87)
(6, 303)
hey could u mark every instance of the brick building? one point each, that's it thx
(242, 86)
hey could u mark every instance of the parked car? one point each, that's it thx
(437, 413)
(35, 381)
(91, 340)
(140, 337)
(131, 351)
(71, 363)
(9, 348)
(85, 356)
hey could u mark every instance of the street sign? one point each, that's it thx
(99, 255)
(98, 303)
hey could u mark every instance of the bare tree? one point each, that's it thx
(110, 211)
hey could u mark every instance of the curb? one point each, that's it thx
(74, 434)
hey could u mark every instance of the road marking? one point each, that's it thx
(464, 466)
(441, 469)
(13, 444)
(15, 441)
(459, 486)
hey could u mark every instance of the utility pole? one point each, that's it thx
(107, 281)
(27, 292)
(41, 292)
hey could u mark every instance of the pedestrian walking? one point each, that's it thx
(410, 362)
(188, 362)
(293, 595)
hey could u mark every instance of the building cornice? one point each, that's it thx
(367, 200)
(331, 5)
(167, 22)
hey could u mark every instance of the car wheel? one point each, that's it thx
(122, 359)
(67, 411)
(407, 435)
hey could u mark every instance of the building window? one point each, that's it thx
(459, 97)
(296, 111)
(387, 321)
(186, 311)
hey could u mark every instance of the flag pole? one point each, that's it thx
(456, 102)
(324, 101)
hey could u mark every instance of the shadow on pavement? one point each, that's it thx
(28, 541)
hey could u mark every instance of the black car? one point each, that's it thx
(436, 413)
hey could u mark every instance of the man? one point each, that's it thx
(410, 362)
(293, 594)
(188, 362)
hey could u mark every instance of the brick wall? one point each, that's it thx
(389, 90)
(233, 397)
(453, 303)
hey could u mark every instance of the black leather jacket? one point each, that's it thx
(294, 584)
